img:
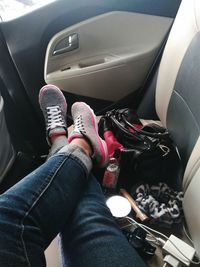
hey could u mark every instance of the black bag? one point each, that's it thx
(148, 152)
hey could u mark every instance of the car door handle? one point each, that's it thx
(67, 44)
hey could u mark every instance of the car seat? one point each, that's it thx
(177, 103)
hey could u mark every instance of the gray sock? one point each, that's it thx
(59, 142)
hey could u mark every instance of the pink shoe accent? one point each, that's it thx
(71, 138)
(101, 143)
(99, 139)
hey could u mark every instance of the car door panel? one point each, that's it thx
(113, 54)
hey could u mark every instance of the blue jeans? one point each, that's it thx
(61, 197)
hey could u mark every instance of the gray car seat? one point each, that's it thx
(178, 103)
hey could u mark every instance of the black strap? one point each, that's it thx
(118, 117)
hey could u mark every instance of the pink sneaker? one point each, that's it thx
(85, 125)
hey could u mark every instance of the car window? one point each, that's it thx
(10, 9)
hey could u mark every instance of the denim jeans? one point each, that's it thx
(61, 196)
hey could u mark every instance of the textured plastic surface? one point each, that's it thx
(6, 150)
(115, 53)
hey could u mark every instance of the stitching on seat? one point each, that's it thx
(191, 174)
(184, 101)
(195, 14)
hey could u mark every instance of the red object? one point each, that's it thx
(112, 143)
(109, 179)
(138, 126)
(111, 174)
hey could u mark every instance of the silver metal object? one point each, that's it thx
(67, 44)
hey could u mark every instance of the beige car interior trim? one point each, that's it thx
(192, 166)
(1, 103)
(191, 209)
(52, 254)
(115, 51)
(184, 29)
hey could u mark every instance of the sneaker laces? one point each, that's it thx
(78, 125)
(54, 117)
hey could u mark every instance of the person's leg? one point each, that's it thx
(33, 211)
(92, 237)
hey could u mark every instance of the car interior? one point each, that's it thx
(139, 54)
